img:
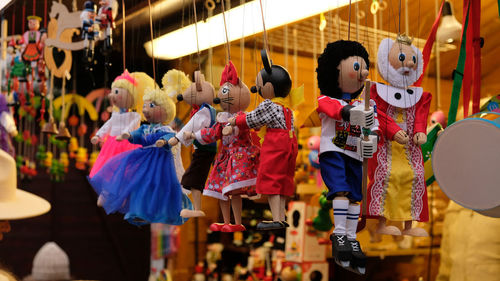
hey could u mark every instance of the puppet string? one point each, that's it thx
(123, 35)
(196, 31)
(263, 26)
(225, 31)
(349, 24)
(152, 44)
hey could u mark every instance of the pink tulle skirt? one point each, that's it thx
(110, 148)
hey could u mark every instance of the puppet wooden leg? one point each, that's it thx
(237, 226)
(236, 204)
(197, 212)
(416, 231)
(282, 208)
(100, 200)
(382, 228)
(225, 207)
(275, 204)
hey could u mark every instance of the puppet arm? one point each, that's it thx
(257, 118)
(209, 135)
(333, 108)
(197, 122)
(106, 128)
(422, 112)
(135, 121)
(137, 136)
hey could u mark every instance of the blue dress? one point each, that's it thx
(142, 183)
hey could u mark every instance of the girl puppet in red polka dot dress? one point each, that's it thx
(235, 169)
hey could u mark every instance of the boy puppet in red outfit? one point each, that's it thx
(342, 71)
(279, 150)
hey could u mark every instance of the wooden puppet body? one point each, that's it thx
(397, 188)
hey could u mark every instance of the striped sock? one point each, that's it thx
(340, 215)
(352, 220)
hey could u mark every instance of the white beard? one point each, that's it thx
(396, 77)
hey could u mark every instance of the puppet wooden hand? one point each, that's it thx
(227, 130)
(95, 139)
(124, 136)
(358, 116)
(232, 121)
(401, 137)
(420, 138)
(366, 149)
(173, 141)
(189, 136)
(160, 143)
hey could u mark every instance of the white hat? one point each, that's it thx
(50, 263)
(15, 203)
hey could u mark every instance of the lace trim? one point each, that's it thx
(414, 153)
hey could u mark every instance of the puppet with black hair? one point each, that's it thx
(397, 190)
(342, 71)
(276, 171)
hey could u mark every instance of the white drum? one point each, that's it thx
(466, 163)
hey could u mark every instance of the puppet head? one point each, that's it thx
(198, 92)
(273, 80)
(342, 69)
(89, 10)
(233, 94)
(128, 88)
(175, 82)
(158, 106)
(34, 23)
(399, 62)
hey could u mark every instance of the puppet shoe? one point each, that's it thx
(233, 228)
(186, 213)
(285, 224)
(217, 226)
(270, 225)
(358, 260)
(388, 230)
(341, 250)
(415, 231)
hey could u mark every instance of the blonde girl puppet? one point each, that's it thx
(126, 95)
(235, 168)
(142, 183)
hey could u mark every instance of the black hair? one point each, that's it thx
(329, 60)
(277, 75)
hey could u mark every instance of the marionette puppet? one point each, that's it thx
(142, 183)
(200, 96)
(341, 73)
(8, 127)
(235, 169)
(278, 154)
(126, 95)
(397, 190)
(32, 45)
(90, 29)
(106, 18)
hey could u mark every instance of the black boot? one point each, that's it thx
(341, 250)
(358, 260)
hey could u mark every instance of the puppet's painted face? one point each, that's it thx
(153, 112)
(192, 96)
(352, 74)
(234, 98)
(265, 90)
(33, 24)
(403, 59)
(121, 98)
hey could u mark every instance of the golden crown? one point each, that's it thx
(403, 39)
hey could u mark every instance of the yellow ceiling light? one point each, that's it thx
(244, 20)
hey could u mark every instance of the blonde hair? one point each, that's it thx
(161, 98)
(175, 82)
(137, 89)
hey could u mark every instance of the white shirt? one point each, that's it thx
(120, 123)
(201, 119)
